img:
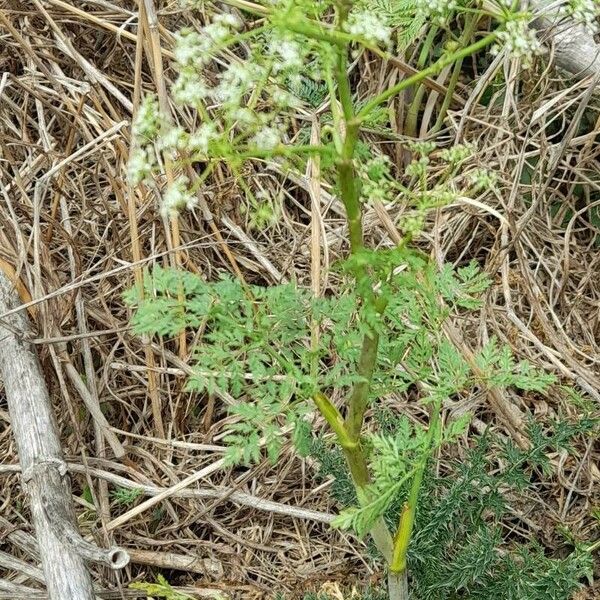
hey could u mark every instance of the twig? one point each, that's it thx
(44, 470)
(166, 493)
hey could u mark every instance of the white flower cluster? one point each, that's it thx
(368, 26)
(482, 179)
(147, 121)
(140, 165)
(413, 224)
(269, 69)
(177, 197)
(421, 147)
(190, 48)
(436, 10)
(196, 145)
(145, 128)
(199, 141)
(174, 138)
(267, 138)
(457, 153)
(236, 81)
(376, 179)
(585, 12)
(417, 167)
(239, 97)
(289, 59)
(283, 98)
(288, 54)
(439, 195)
(520, 41)
(189, 88)
(193, 49)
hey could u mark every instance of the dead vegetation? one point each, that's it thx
(74, 236)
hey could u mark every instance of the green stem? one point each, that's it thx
(359, 469)
(593, 547)
(335, 420)
(350, 195)
(280, 150)
(336, 113)
(317, 33)
(448, 97)
(347, 178)
(418, 77)
(407, 517)
(350, 430)
(410, 128)
(472, 21)
(359, 398)
(343, 82)
(349, 190)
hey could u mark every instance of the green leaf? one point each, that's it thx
(301, 437)
(456, 428)
(160, 589)
(399, 14)
(362, 518)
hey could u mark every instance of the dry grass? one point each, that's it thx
(73, 236)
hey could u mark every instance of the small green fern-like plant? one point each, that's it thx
(280, 353)
(161, 589)
(124, 496)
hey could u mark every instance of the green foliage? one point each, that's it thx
(369, 593)
(464, 286)
(253, 342)
(163, 314)
(460, 549)
(253, 345)
(504, 372)
(402, 16)
(125, 496)
(394, 460)
(87, 495)
(310, 91)
(331, 464)
(161, 589)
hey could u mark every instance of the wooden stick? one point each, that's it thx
(179, 562)
(91, 403)
(197, 493)
(166, 493)
(11, 563)
(62, 549)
